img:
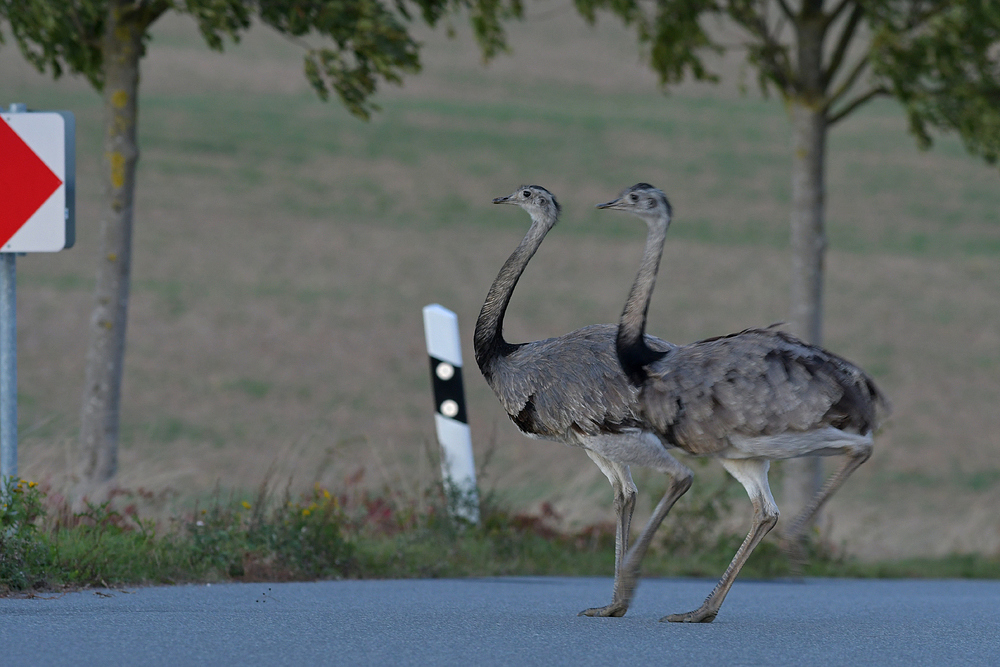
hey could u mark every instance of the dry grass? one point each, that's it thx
(284, 251)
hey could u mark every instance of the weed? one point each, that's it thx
(22, 555)
(364, 534)
(216, 540)
(306, 535)
(101, 545)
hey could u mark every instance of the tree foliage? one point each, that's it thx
(350, 46)
(939, 58)
(945, 70)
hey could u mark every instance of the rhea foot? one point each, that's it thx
(700, 615)
(616, 609)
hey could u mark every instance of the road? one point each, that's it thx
(507, 621)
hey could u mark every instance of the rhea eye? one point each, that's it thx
(526, 194)
(634, 197)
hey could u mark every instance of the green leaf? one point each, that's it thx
(945, 69)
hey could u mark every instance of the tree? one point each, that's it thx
(365, 43)
(825, 59)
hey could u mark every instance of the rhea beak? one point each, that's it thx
(610, 204)
(502, 200)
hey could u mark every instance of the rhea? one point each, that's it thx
(570, 389)
(745, 399)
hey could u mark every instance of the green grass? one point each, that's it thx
(44, 545)
(731, 152)
(980, 480)
(258, 389)
(166, 430)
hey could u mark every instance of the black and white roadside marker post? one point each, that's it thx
(37, 183)
(458, 467)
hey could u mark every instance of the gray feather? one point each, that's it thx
(756, 382)
(574, 384)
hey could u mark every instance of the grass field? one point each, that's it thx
(283, 251)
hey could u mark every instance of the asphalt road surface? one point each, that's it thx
(507, 621)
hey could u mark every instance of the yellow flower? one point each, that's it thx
(306, 512)
(326, 494)
(246, 504)
(32, 485)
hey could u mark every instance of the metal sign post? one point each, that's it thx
(8, 365)
(37, 193)
(458, 467)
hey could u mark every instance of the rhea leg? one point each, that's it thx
(752, 474)
(857, 453)
(645, 450)
(624, 504)
(629, 580)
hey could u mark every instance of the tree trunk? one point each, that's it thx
(804, 476)
(122, 49)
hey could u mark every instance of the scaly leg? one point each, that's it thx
(624, 507)
(627, 582)
(625, 492)
(752, 473)
(614, 454)
(791, 541)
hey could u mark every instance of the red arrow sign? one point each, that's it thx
(25, 182)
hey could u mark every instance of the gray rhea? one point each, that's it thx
(570, 389)
(746, 399)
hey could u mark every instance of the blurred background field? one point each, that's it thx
(283, 251)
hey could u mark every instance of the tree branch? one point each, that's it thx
(843, 43)
(768, 51)
(786, 10)
(778, 69)
(917, 17)
(811, 9)
(155, 10)
(855, 103)
(86, 36)
(851, 79)
(144, 12)
(832, 16)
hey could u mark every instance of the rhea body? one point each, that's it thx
(569, 389)
(746, 399)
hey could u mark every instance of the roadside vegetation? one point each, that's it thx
(356, 533)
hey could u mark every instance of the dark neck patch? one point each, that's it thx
(635, 357)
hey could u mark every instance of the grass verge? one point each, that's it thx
(45, 545)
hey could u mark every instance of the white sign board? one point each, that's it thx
(37, 174)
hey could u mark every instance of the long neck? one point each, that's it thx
(633, 353)
(488, 341)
